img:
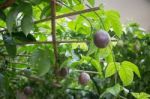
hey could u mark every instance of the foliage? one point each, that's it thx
(25, 61)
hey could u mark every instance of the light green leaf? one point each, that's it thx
(111, 69)
(27, 24)
(104, 52)
(94, 63)
(92, 49)
(92, 2)
(115, 90)
(133, 67)
(113, 18)
(126, 75)
(141, 95)
(97, 66)
(40, 59)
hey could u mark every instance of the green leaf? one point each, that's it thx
(97, 66)
(141, 95)
(10, 45)
(45, 12)
(104, 52)
(111, 69)
(10, 19)
(126, 75)
(92, 49)
(2, 15)
(40, 59)
(94, 63)
(92, 2)
(27, 24)
(133, 67)
(36, 2)
(113, 18)
(26, 8)
(115, 90)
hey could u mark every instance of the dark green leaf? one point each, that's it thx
(20, 36)
(10, 45)
(40, 59)
(26, 8)
(1, 80)
(2, 15)
(36, 2)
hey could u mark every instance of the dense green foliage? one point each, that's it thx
(27, 65)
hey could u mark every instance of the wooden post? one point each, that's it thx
(53, 26)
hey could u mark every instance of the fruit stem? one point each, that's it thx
(113, 56)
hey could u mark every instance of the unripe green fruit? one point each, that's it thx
(101, 39)
(84, 78)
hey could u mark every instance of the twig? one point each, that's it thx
(68, 14)
(49, 42)
(91, 72)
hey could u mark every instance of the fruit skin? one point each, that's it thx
(28, 91)
(101, 39)
(84, 78)
(63, 72)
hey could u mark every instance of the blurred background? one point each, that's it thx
(130, 10)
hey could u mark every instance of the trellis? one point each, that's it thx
(54, 41)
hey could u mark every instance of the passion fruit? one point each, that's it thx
(84, 78)
(101, 39)
(28, 90)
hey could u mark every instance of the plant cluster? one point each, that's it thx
(88, 56)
